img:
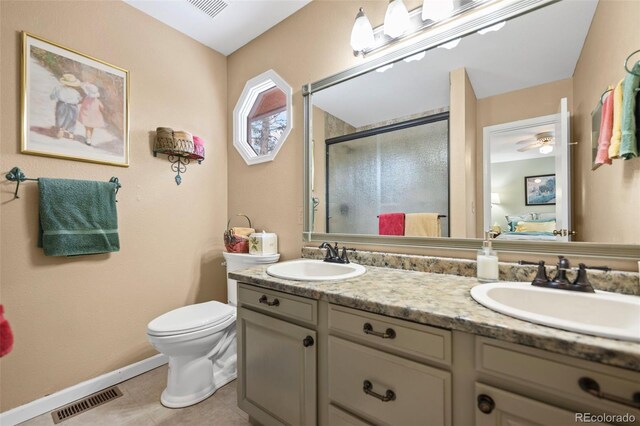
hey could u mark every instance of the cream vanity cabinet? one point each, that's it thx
(308, 362)
(277, 357)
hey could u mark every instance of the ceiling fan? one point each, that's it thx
(544, 141)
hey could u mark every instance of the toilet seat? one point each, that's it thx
(192, 318)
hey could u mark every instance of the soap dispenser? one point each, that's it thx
(487, 264)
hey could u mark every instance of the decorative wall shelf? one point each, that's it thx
(180, 147)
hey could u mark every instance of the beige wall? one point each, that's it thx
(613, 35)
(531, 102)
(462, 154)
(77, 318)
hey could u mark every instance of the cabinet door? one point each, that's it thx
(497, 407)
(276, 370)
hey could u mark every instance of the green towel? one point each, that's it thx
(629, 143)
(77, 217)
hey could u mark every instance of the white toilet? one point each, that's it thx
(200, 341)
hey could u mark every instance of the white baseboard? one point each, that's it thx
(73, 393)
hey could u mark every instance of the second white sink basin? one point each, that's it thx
(315, 270)
(600, 314)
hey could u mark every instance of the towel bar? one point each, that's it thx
(16, 175)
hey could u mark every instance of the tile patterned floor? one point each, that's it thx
(140, 405)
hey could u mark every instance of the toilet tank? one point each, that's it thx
(239, 261)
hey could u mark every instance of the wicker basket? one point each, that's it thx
(236, 243)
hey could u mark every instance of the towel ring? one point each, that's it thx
(602, 96)
(626, 63)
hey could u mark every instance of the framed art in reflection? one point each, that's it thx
(540, 190)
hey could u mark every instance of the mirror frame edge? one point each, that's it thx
(479, 19)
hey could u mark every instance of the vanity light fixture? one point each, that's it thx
(384, 68)
(400, 24)
(362, 33)
(496, 27)
(546, 149)
(396, 20)
(416, 57)
(436, 10)
(451, 44)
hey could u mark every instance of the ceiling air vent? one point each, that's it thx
(210, 7)
(85, 404)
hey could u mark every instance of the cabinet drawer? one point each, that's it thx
(418, 394)
(557, 374)
(338, 417)
(285, 305)
(422, 341)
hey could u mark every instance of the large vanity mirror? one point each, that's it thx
(473, 130)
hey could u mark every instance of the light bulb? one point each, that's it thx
(436, 10)
(416, 57)
(396, 20)
(496, 27)
(362, 33)
(546, 149)
(451, 44)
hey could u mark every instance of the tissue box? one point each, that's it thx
(263, 243)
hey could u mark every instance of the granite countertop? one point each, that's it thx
(444, 301)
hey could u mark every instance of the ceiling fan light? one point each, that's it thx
(436, 10)
(362, 33)
(496, 27)
(396, 20)
(546, 149)
(451, 44)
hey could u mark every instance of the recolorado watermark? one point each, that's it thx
(604, 418)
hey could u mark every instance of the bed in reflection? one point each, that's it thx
(529, 226)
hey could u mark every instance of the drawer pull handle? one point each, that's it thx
(486, 404)
(592, 387)
(388, 334)
(389, 395)
(308, 341)
(263, 299)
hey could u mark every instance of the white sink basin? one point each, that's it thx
(599, 314)
(315, 270)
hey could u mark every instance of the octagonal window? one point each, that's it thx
(262, 118)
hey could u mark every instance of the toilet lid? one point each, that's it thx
(191, 318)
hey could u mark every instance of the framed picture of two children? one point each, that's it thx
(74, 106)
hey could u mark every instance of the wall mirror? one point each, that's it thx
(469, 130)
(262, 118)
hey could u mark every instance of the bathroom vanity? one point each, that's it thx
(413, 348)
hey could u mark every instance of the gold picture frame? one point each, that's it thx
(74, 106)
